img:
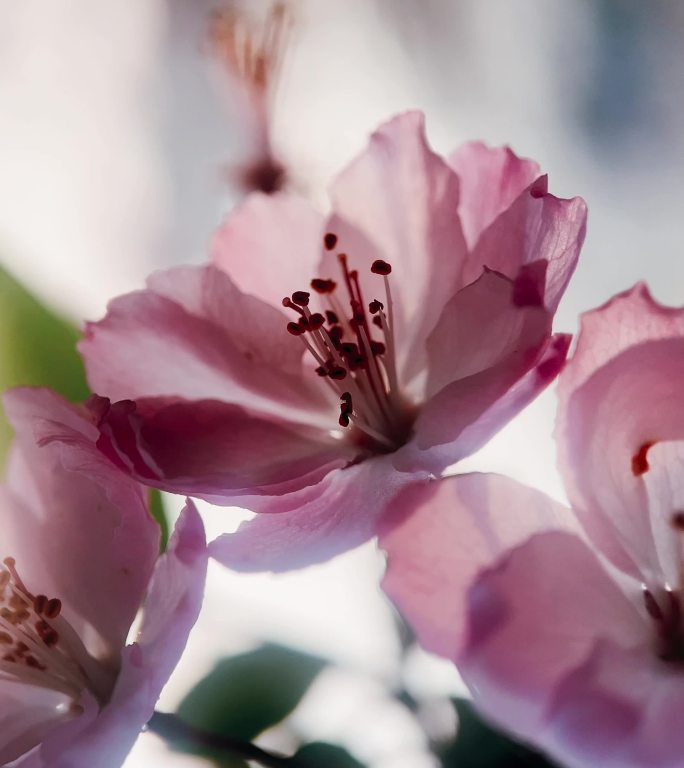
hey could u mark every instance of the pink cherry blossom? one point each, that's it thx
(572, 637)
(79, 560)
(416, 322)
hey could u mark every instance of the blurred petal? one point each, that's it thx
(491, 179)
(533, 618)
(439, 535)
(63, 496)
(606, 430)
(311, 526)
(170, 610)
(620, 709)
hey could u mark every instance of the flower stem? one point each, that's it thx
(176, 732)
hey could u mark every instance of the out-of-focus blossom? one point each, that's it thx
(79, 560)
(571, 639)
(252, 54)
(417, 321)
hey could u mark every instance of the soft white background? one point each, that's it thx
(116, 130)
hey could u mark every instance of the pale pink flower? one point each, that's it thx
(419, 317)
(78, 561)
(573, 637)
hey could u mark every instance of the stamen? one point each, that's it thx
(330, 241)
(380, 267)
(323, 286)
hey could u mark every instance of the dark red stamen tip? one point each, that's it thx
(375, 306)
(338, 373)
(343, 421)
(330, 240)
(295, 329)
(331, 317)
(640, 463)
(301, 298)
(377, 348)
(316, 321)
(677, 520)
(320, 285)
(377, 321)
(380, 267)
(53, 608)
(321, 371)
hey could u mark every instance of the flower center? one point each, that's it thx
(38, 646)
(666, 614)
(354, 350)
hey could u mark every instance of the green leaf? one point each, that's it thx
(478, 745)
(318, 754)
(244, 695)
(37, 348)
(156, 503)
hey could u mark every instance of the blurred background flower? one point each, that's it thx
(129, 129)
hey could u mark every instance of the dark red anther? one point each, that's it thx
(377, 321)
(321, 371)
(652, 607)
(375, 306)
(316, 321)
(331, 317)
(640, 463)
(380, 267)
(295, 329)
(377, 348)
(301, 298)
(39, 603)
(53, 608)
(336, 332)
(329, 240)
(677, 520)
(337, 372)
(343, 421)
(320, 285)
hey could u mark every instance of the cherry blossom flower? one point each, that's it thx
(416, 322)
(252, 54)
(79, 560)
(568, 625)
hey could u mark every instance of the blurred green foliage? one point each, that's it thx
(37, 348)
(478, 745)
(320, 755)
(244, 695)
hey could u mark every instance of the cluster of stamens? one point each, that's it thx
(360, 369)
(29, 641)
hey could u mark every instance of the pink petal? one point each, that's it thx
(620, 709)
(465, 414)
(215, 450)
(398, 201)
(311, 526)
(605, 428)
(481, 327)
(270, 246)
(491, 179)
(537, 226)
(533, 618)
(62, 496)
(439, 535)
(194, 334)
(170, 610)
